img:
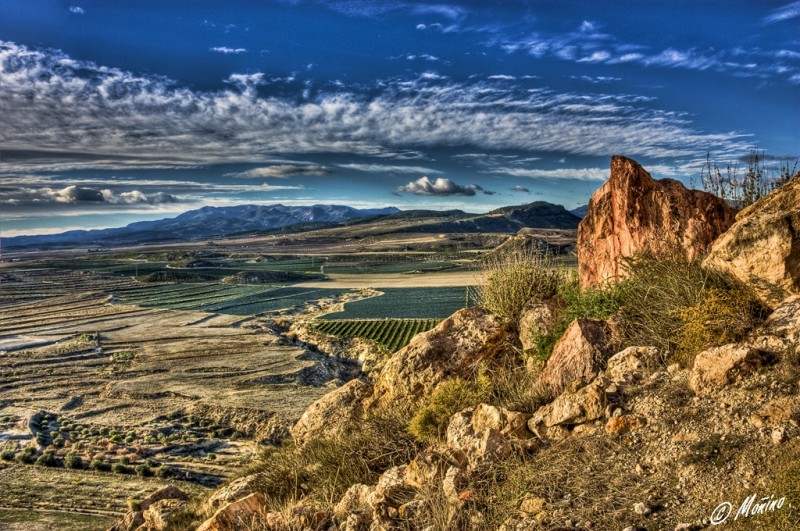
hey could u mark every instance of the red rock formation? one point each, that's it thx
(632, 212)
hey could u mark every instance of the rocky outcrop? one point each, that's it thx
(236, 490)
(453, 349)
(762, 249)
(571, 408)
(333, 413)
(632, 212)
(237, 515)
(718, 367)
(579, 355)
(486, 434)
(153, 512)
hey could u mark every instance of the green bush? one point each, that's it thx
(513, 279)
(73, 461)
(119, 468)
(7, 455)
(116, 438)
(125, 460)
(143, 471)
(430, 422)
(163, 472)
(27, 455)
(47, 458)
(99, 464)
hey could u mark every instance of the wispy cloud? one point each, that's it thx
(228, 51)
(76, 10)
(124, 118)
(441, 186)
(579, 174)
(520, 189)
(283, 171)
(787, 12)
(387, 168)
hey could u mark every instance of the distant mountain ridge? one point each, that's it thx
(206, 222)
(217, 222)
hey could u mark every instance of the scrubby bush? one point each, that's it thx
(450, 397)
(163, 472)
(323, 469)
(125, 460)
(27, 455)
(47, 458)
(116, 438)
(73, 461)
(119, 468)
(514, 278)
(99, 464)
(7, 455)
(143, 471)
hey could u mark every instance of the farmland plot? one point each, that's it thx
(390, 334)
(406, 303)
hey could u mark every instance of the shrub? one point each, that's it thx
(163, 472)
(323, 469)
(722, 316)
(116, 438)
(27, 455)
(73, 461)
(143, 471)
(47, 458)
(119, 468)
(514, 278)
(99, 464)
(125, 460)
(7, 455)
(430, 422)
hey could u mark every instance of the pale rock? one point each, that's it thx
(570, 408)
(579, 355)
(333, 414)
(784, 322)
(237, 515)
(454, 483)
(236, 490)
(535, 320)
(632, 212)
(428, 467)
(762, 249)
(778, 412)
(778, 435)
(625, 424)
(632, 364)
(486, 434)
(157, 515)
(532, 505)
(718, 367)
(508, 423)
(642, 509)
(454, 348)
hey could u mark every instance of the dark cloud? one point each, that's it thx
(75, 194)
(283, 171)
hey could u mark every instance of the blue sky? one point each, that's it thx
(113, 111)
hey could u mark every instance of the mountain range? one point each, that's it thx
(215, 222)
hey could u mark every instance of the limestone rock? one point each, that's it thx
(429, 467)
(332, 414)
(237, 515)
(455, 481)
(624, 424)
(720, 366)
(486, 434)
(354, 502)
(131, 521)
(579, 355)
(632, 212)
(157, 515)
(236, 490)
(536, 320)
(762, 249)
(165, 493)
(632, 364)
(452, 349)
(508, 423)
(571, 408)
(778, 412)
(784, 322)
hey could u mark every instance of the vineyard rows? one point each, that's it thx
(391, 334)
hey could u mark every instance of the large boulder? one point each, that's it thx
(452, 349)
(238, 515)
(487, 434)
(154, 511)
(579, 355)
(762, 249)
(332, 414)
(632, 212)
(718, 367)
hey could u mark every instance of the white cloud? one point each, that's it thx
(787, 12)
(76, 10)
(118, 118)
(388, 168)
(283, 171)
(520, 189)
(441, 186)
(228, 51)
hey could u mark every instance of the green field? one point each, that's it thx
(406, 303)
(390, 334)
(228, 299)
